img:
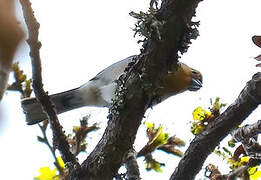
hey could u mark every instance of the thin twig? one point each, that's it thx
(60, 140)
(46, 141)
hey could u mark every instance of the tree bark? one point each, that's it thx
(136, 90)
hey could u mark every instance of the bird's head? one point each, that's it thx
(184, 78)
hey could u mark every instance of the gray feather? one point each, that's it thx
(63, 102)
(97, 92)
(112, 72)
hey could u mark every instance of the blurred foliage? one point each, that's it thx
(11, 34)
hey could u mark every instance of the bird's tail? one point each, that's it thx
(63, 102)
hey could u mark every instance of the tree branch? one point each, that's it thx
(58, 134)
(131, 165)
(247, 135)
(204, 144)
(247, 131)
(137, 89)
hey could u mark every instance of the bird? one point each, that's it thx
(99, 91)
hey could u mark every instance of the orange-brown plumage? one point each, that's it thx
(179, 81)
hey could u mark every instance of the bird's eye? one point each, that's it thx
(194, 72)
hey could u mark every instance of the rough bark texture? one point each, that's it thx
(204, 144)
(140, 82)
(248, 136)
(131, 165)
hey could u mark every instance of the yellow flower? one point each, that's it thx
(47, 174)
(252, 170)
(150, 125)
(61, 163)
(200, 114)
(244, 159)
(256, 175)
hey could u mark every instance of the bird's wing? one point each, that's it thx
(112, 72)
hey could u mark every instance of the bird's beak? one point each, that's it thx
(196, 84)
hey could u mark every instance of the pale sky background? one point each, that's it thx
(80, 38)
